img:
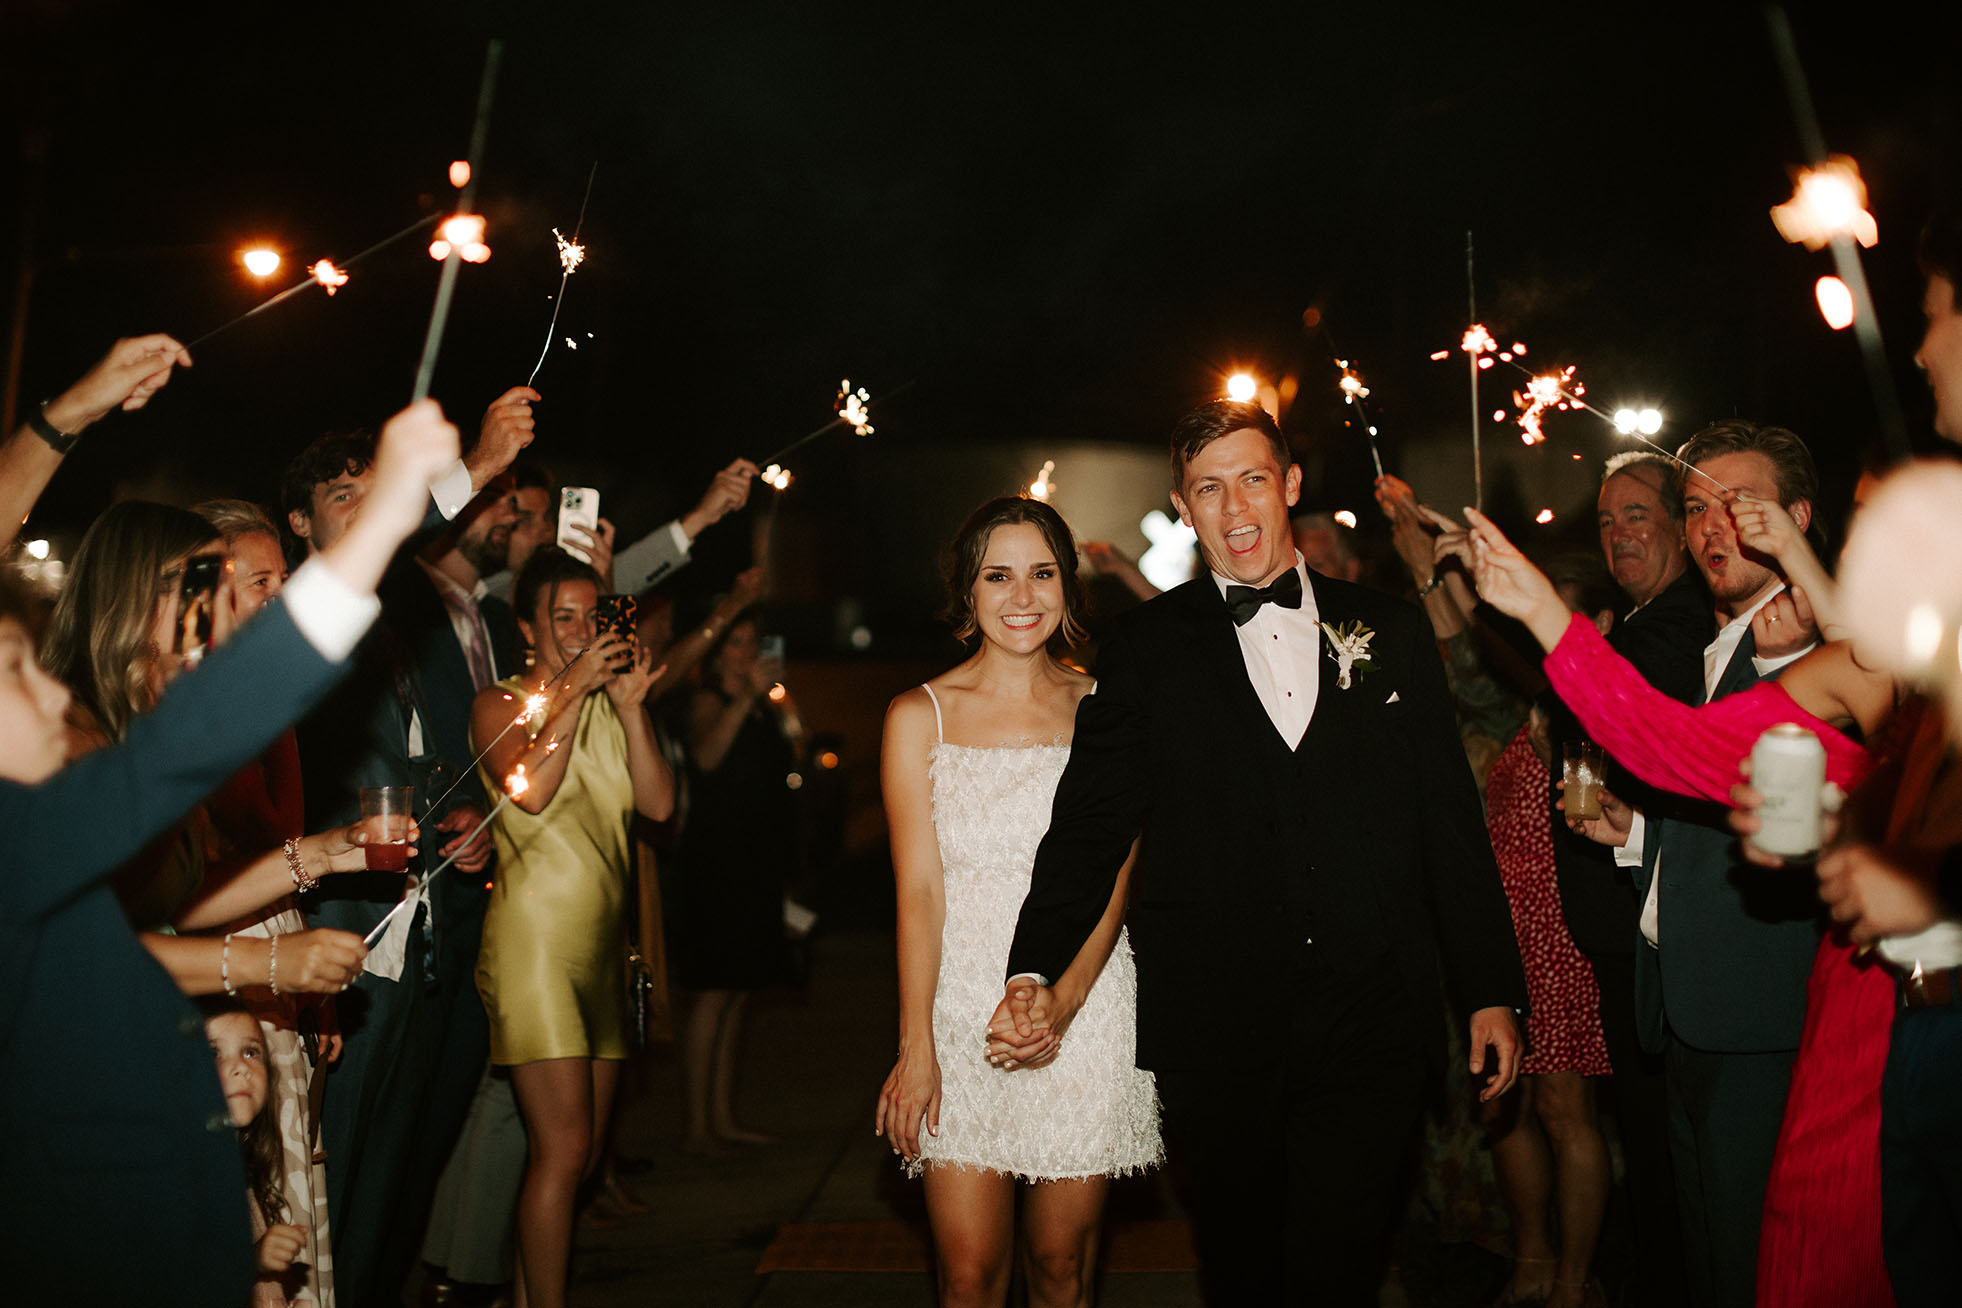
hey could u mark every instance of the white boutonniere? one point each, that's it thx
(1349, 647)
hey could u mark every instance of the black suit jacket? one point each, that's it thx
(1664, 641)
(106, 1080)
(1366, 840)
(1737, 939)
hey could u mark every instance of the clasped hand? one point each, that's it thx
(1027, 1027)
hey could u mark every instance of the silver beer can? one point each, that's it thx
(1788, 767)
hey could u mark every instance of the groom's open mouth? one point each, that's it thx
(1243, 540)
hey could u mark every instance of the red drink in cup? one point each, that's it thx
(391, 804)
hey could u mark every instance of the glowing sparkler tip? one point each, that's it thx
(460, 173)
(464, 233)
(1042, 488)
(776, 477)
(1827, 201)
(1346, 518)
(329, 277)
(571, 253)
(517, 783)
(1478, 340)
(1543, 517)
(851, 407)
(1835, 302)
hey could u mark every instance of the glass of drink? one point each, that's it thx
(1580, 769)
(392, 805)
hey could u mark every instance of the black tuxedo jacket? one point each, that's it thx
(1362, 850)
(1737, 939)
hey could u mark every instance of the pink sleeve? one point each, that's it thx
(1691, 751)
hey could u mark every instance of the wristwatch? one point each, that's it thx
(59, 441)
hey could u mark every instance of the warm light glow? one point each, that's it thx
(37, 549)
(260, 262)
(1042, 488)
(517, 784)
(1478, 340)
(571, 253)
(1924, 634)
(1241, 387)
(463, 232)
(1168, 562)
(1352, 385)
(330, 277)
(1649, 421)
(460, 173)
(851, 408)
(1835, 302)
(1542, 393)
(776, 477)
(1625, 420)
(827, 760)
(1827, 201)
(777, 693)
(1543, 517)
(1346, 518)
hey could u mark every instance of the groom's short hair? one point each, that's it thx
(1217, 418)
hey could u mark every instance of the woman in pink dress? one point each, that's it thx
(1820, 1242)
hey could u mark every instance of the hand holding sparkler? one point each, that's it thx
(726, 493)
(133, 370)
(506, 430)
(1507, 580)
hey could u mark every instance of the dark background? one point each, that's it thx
(1047, 226)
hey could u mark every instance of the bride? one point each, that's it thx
(969, 769)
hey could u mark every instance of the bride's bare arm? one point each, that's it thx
(911, 1094)
(1065, 998)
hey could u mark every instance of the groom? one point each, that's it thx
(1315, 870)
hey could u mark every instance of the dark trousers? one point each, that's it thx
(1639, 1095)
(1724, 1114)
(370, 1119)
(460, 1031)
(1294, 1169)
(1921, 1156)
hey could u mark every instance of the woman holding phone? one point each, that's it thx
(553, 969)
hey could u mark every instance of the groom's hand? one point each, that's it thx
(1019, 1032)
(1495, 1027)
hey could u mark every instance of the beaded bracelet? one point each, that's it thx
(225, 966)
(272, 964)
(301, 881)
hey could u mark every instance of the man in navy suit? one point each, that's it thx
(1313, 849)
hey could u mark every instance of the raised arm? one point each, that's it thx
(910, 1097)
(126, 377)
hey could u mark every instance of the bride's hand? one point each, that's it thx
(1050, 1012)
(909, 1098)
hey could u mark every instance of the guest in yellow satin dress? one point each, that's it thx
(552, 970)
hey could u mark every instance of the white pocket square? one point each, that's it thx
(1394, 697)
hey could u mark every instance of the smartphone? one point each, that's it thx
(196, 598)
(578, 506)
(615, 613)
(770, 647)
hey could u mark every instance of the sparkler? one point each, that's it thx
(1476, 344)
(1042, 488)
(1844, 207)
(776, 477)
(849, 409)
(571, 255)
(514, 785)
(439, 315)
(324, 274)
(534, 704)
(1353, 394)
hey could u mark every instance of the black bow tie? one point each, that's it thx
(1245, 601)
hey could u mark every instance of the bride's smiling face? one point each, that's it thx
(1018, 593)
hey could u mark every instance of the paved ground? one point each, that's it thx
(825, 1217)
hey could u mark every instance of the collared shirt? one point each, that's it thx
(1716, 657)
(467, 620)
(1282, 650)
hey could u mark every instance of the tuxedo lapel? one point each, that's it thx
(1219, 649)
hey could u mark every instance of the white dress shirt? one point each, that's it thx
(1282, 649)
(1716, 657)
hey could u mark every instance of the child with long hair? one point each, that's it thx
(239, 1046)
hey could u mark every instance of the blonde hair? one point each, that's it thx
(98, 640)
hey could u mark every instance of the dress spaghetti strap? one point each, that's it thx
(939, 731)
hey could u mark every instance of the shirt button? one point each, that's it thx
(217, 1122)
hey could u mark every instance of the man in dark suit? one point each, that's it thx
(1720, 980)
(1661, 631)
(1312, 849)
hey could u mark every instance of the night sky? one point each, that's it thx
(1047, 225)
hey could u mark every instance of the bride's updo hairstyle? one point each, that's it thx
(961, 564)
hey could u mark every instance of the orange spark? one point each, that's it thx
(329, 277)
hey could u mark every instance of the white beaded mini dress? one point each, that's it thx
(1091, 1111)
